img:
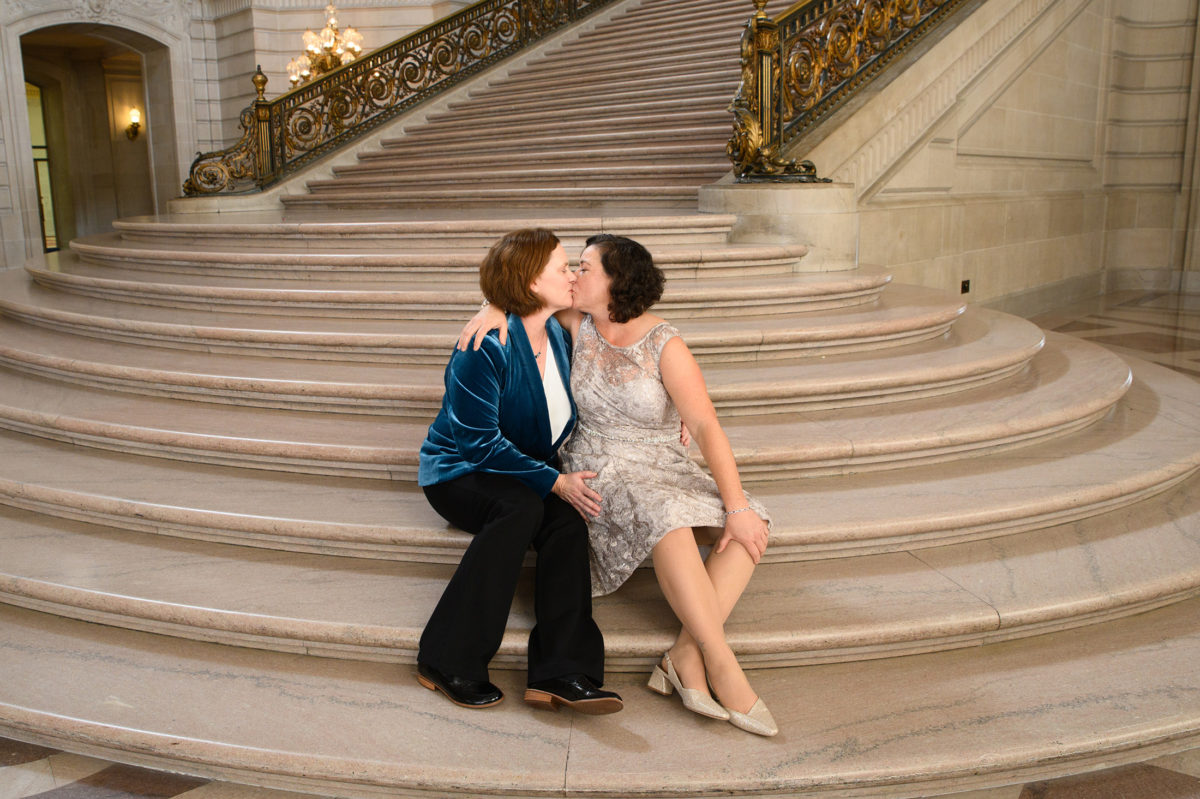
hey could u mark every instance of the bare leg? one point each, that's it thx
(729, 571)
(689, 590)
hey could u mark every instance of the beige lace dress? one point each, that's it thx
(628, 432)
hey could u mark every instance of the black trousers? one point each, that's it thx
(506, 517)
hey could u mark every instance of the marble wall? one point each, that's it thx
(1039, 151)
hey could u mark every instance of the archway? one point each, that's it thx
(91, 78)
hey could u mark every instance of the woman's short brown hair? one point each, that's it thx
(635, 282)
(512, 265)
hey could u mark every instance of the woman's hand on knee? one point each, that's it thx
(746, 529)
(573, 488)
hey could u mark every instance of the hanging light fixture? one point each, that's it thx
(325, 51)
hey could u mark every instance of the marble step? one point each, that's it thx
(602, 197)
(488, 94)
(903, 315)
(613, 58)
(664, 71)
(368, 233)
(645, 122)
(1069, 385)
(536, 112)
(545, 177)
(1145, 446)
(482, 102)
(1118, 693)
(684, 298)
(291, 261)
(793, 613)
(374, 161)
(690, 135)
(983, 347)
(669, 20)
(677, 22)
(528, 90)
(602, 43)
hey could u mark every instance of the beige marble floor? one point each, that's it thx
(1158, 327)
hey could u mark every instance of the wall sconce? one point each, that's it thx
(135, 123)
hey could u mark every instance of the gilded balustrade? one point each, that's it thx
(284, 134)
(799, 68)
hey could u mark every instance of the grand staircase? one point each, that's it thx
(985, 562)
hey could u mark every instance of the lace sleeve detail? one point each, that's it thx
(659, 337)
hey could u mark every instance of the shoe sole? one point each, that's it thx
(431, 685)
(591, 707)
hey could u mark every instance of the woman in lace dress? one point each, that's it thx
(633, 380)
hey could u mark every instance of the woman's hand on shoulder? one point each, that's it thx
(747, 529)
(573, 487)
(488, 318)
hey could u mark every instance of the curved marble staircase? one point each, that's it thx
(213, 557)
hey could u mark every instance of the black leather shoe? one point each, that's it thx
(575, 691)
(459, 690)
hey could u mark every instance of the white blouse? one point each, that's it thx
(557, 401)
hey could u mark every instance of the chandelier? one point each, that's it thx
(324, 51)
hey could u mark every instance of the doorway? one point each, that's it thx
(41, 166)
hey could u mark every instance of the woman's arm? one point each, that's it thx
(473, 388)
(485, 320)
(490, 318)
(685, 384)
(473, 397)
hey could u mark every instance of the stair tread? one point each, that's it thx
(350, 255)
(460, 287)
(899, 307)
(1140, 448)
(1067, 385)
(329, 724)
(846, 608)
(980, 342)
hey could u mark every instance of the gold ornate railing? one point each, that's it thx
(282, 135)
(799, 68)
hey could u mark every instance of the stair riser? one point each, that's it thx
(708, 136)
(454, 310)
(623, 64)
(551, 93)
(590, 110)
(564, 99)
(705, 143)
(317, 347)
(633, 76)
(466, 275)
(464, 247)
(614, 181)
(398, 645)
(444, 168)
(421, 401)
(607, 55)
(648, 124)
(807, 543)
(468, 201)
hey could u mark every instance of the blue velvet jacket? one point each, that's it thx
(494, 417)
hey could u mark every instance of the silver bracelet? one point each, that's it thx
(739, 510)
(485, 303)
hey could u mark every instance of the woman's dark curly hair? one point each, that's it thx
(636, 282)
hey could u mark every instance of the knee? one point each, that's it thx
(518, 516)
(566, 527)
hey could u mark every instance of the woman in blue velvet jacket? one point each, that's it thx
(489, 466)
